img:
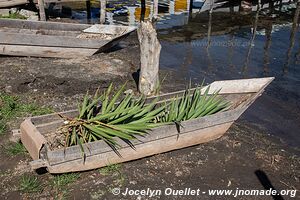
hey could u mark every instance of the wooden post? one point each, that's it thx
(191, 5)
(155, 8)
(42, 10)
(102, 11)
(210, 62)
(88, 9)
(292, 39)
(209, 25)
(267, 46)
(143, 10)
(150, 52)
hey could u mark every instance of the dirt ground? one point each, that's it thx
(244, 158)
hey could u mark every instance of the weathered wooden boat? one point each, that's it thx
(241, 93)
(53, 39)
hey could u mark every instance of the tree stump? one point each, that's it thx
(150, 52)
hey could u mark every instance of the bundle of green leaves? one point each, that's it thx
(193, 104)
(103, 118)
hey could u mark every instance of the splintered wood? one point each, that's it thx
(150, 52)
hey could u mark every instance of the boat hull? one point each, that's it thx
(158, 140)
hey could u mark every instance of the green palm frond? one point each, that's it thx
(192, 105)
(102, 117)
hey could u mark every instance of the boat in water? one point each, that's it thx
(55, 39)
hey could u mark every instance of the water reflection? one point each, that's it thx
(267, 46)
(251, 43)
(240, 36)
(209, 28)
(132, 12)
(292, 39)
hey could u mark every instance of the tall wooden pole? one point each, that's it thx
(267, 48)
(155, 9)
(150, 52)
(209, 26)
(191, 5)
(292, 39)
(42, 10)
(88, 9)
(245, 67)
(102, 11)
(209, 36)
(143, 10)
(231, 51)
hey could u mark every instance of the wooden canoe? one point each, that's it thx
(53, 39)
(241, 93)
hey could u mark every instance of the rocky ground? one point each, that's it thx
(244, 158)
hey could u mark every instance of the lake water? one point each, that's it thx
(228, 45)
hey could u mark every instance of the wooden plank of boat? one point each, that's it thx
(58, 1)
(39, 25)
(11, 3)
(242, 93)
(49, 41)
(51, 52)
(142, 150)
(52, 39)
(62, 156)
(41, 31)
